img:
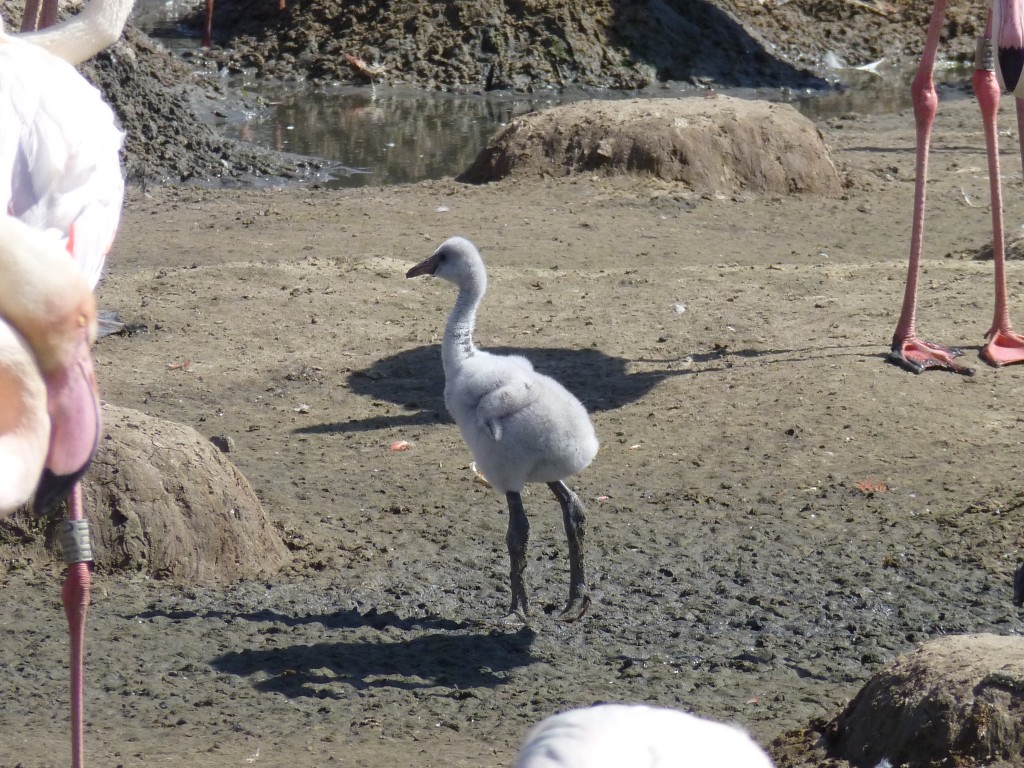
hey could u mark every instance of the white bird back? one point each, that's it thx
(520, 425)
(637, 736)
(60, 169)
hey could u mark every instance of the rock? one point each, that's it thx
(163, 500)
(718, 144)
(223, 443)
(954, 701)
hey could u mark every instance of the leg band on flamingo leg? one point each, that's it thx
(984, 57)
(75, 541)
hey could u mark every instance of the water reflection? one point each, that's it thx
(388, 136)
(381, 136)
(883, 92)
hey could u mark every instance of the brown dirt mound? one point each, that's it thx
(954, 701)
(162, 499)
(717, 144)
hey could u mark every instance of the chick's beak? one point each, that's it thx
(425, 267)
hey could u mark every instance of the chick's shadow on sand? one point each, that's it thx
(414, 379)
(427, 653)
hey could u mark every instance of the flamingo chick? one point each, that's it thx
(638, 736)
(521, 426)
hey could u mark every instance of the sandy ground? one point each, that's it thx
(775, 512)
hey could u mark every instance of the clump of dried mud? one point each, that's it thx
(711, 145)
(165, 502)
(953, 701)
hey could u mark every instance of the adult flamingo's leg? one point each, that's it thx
(1004, 346)
(908, 351)
(208, 25)
(77, 548)
(39, 14)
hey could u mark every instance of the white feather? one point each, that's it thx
(637, 736)
(60, 169)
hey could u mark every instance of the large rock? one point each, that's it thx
(162, 499)
(718, 144)
(954, 701)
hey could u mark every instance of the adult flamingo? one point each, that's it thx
(61, 188)
(50, 407)
(1004, 29)
(60, 168)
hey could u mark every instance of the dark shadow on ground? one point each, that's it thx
(339, 620)
(695, 41)
(472, 659)
(414, 378)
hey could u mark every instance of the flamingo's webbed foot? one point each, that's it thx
(1004, 347)
(917, 356)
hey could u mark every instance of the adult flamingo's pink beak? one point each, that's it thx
(74, 408)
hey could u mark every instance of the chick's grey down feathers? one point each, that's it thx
(520, 425)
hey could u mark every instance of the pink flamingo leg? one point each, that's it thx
(75, 596)
(38, 14)
(1020, 135)
(1004, 346)
(908, 351)
(208, 25)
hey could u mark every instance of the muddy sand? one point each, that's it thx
(775, 513)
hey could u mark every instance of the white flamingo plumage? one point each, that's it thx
(638, 736)
(60, 168)
(24, 421)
